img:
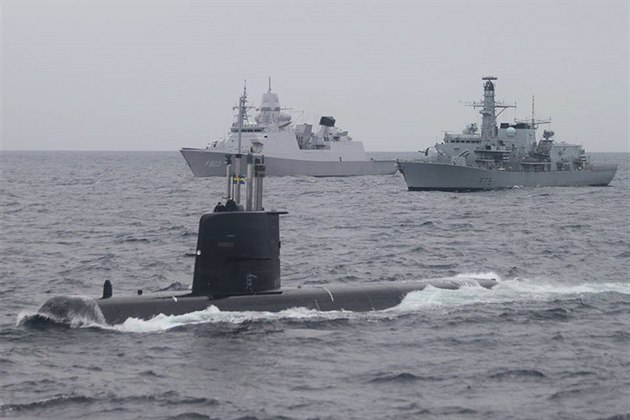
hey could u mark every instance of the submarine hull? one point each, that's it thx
(369, 297)
(237, 268)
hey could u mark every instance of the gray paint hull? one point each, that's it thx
(204, 163)
(425, 176)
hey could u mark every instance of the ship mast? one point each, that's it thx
(241, 114)
(534, 123)
(488, 112)
(488, 109)
(533, 111)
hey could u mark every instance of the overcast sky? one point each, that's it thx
(149, 75)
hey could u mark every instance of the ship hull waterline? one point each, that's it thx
(427, 176)
(205, 163)
(365, 298)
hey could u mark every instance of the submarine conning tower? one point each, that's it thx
(237, 253)
(238, 248)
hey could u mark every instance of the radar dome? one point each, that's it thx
(511, 131)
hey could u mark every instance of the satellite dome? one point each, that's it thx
(511, 131)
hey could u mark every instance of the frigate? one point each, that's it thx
(288, 149)
(503, 156)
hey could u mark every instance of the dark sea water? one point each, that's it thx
(551, 341)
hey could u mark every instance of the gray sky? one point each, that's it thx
(149, 75)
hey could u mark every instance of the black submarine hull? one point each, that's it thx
(237, 268)
(368, 297)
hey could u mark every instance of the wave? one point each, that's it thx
(403, 377)
(505, 291)
(68, 401)
(44, 404)
(214, 315)
(517, 373)
(190, 415)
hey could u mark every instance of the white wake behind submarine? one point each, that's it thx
(237, 268)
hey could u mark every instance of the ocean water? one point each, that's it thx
(551, 340)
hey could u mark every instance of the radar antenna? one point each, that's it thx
(242, 117)
(497, 105)
(534, 123)
(532, 110)
(489, 107)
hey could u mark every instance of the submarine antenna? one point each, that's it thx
(259, 174)
(237, 166)
(228, 173)
(249, 182)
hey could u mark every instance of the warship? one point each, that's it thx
(288, 149)
(503, 156)
(237, 268)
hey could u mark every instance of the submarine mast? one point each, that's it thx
(237, 164)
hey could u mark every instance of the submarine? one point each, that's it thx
(237, 268)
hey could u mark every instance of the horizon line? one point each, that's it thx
(177, 150)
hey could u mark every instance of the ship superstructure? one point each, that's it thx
(502, 156)
(288, 149)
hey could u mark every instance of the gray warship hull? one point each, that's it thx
(429, 176)
(205, 163)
